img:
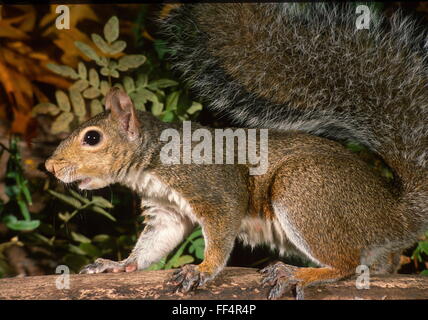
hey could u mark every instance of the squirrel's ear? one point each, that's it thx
(122, 110)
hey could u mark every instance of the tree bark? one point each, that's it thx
(232, 283)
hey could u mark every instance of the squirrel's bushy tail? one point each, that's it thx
(307, 67)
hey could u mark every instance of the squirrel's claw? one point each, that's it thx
(280, 277)
(188, 278)
(104, 265)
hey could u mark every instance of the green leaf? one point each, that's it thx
(44, 239)
(168, 116)
(112, 65)
(157, 108)
(20, 225)
(100, 43)
(103, 212)
(24, 209)
(423, 245)
(147, 95)
(104, 87)
(94, 79)
(196, 106)
(64, 71)
(87, 50)
(25, 190)
(128, 84)
(62, 123)
(67, 199)
(111, 29)
(75, 249)
(387, 173)
(199, 253)
(24, 225)
(172, 100)
(117, 46)
(46, 108)
(196, 234)
(83, 72)
(91, 93)
(355, 147)
(198, 247)
(96, 107)
(131, 61)
(198, 243)
(101, 202)
(80, 237)
(138, 103)
(138, 98)
(101, 238)
(161, 48)
(424, 273)
(103, 62)
(79, 86)
(78, 196)
(162, 83)
(66, 216)
(78, 103)
(105, 71)
(157, 266)
(182, 260)
(62, 101)
(142, 80)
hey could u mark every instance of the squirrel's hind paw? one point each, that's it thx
(104, 265)
(281, 278)
(188, 278)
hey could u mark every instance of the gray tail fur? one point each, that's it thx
(307, 67)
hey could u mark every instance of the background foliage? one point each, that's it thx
(72, 227)
(50, 81)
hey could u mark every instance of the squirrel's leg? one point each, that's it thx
(282, 278)
(164, 230)
(313, 221)
(219, 240)
(105, 265)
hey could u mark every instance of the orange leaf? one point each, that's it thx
(148, 36)
(18, 88)
(28, 18)
(20, 122)
(7, 31)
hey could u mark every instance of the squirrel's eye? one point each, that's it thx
(92, 137)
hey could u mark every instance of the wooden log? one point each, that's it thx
(232, 283)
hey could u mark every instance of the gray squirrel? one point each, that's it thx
(302, 72)
(307, 67)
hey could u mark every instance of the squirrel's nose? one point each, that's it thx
(50, 165)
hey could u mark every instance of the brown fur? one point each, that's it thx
(332, 207)
(306, 67)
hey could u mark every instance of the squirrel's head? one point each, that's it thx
(96, 151)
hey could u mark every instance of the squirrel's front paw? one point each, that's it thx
(189, 278)
(281, 278)
(104, 265)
